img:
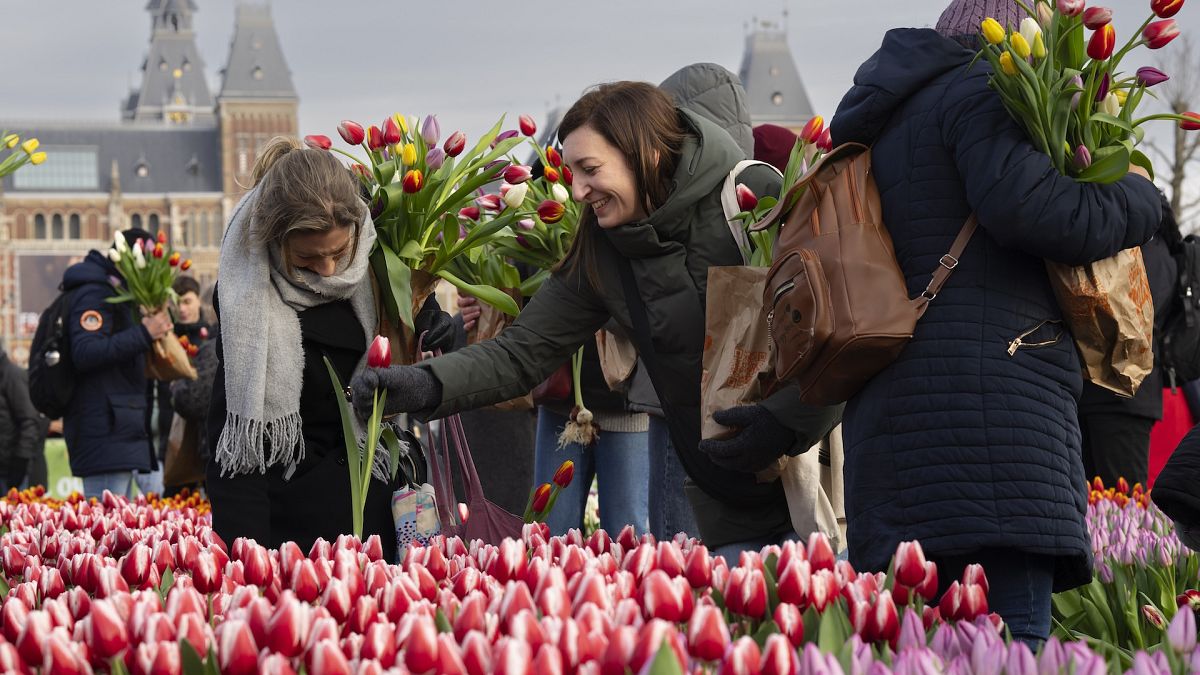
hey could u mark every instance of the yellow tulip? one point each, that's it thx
(11, 140)
(1020, 45)
(1039, 47)
(30, 146)
(993, 32)
(37, 157)
(1007, 64)
(1121, 95)
(409, 154)
(403, 123)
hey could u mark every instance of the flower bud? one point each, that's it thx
(455, 144)
(1070, 8)
(528, 126)
(173, 261)
(408, 154)
(375, 138)
(1095, 17)
(391, 131)
(1039, 47)
(1159, 33)
(351, 132)
(10, 141)
(1111, 105)
(1165, 9)
(515, 196)
(553, 157)
(1045, 14)
(430, 131)
(469, 212)
(186, 265)
(412, 181)
(517, 173)
(435, 158)
(37, 158)
(318, 142)
(1007, 65)
(812, 130)
(379, 354)
(1148, 77)
(1020, 46)
(541, 497)
(1102, 90)
(30, 146)
(550, 211)
(992, 31)
(551, 174)
(824, 143)
(488, 202)
(1083, 157)
(1101, 45)
(114, 255)
(746, 198)
(503, 136)
(401, 122)
(567, 176)
(526, 224)
(560, 193)
(1191, 123)
(158, 251)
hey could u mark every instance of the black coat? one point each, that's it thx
(958, 444)
(315, 501)
(20, 423)
(107, 422)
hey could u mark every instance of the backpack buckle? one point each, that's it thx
(951, 264)
(928, 295)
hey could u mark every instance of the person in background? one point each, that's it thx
(21, 425)
(107, 422)
(190, 325)
(190, 398)
(1175, 489)
(773, 144)
(1116, 430)
(969, 441)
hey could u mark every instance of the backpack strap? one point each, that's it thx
(729, 204)
(946, 266)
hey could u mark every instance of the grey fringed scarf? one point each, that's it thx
(264, 357)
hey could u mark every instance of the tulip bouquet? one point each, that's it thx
(1068, 93)
(417, 191)
(29, 153)
(1144, 576)
(147, 271)
(812, 144)
(360, 458)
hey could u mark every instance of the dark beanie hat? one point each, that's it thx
(773, 144)
(962, 17)
(134, 233)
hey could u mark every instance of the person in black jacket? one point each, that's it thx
(107, 422)
(1175, 489)
(292, 291)
(20, 423)
(969, 441)
(1116, 430)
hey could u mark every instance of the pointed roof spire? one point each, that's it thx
(775, 93)
(172, 70)
(256, 67)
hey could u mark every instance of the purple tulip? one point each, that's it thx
(435, 158)
(504, 136)
(1076, 82)
(1105, 83)
(526, 224)
(1181, 633)
(495, 165)
(114, 281)
(1148, 77)
(430, 130)
(523, 241)
(1020, 660)
(1083, 157)
(912, 631)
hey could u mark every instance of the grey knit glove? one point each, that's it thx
(760, 440)
(409, 389)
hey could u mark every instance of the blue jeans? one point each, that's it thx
(1019, 588)
(733, 551)
(670, 511)
(120, 483)
(620, 462)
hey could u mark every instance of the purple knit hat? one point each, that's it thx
(962, 17)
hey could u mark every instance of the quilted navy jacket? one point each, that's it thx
(960, 443)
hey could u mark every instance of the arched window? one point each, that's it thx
(39, 226)
(154, 224)
(56, 226)
(74, 229)
(206, 235)
(135, 221)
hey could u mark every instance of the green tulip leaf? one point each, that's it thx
(665, 662)
(1109, 165)
(487, 294)
(1105, 118)
(399, 281)
(442, 623)
(350, 439)
(765, 630)
(4, 588)
(531, 285)
(384, 172)
(190, 659)
(1139, 158)
(411, 250)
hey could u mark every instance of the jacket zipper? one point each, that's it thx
(779, 292)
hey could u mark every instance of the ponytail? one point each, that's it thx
(270, 154)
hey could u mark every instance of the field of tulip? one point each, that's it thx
(145, 587)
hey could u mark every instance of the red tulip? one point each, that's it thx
(13, 560)
(161, 238)
(1070, 8)
(779, 657)
(1165, 9)
(61, 657)
(791, 622)
(707, 633)
(51, 584)
(174, 259)
(528, 126)
(974, 602)
(375, 137)
(379, 354)
(469, 212)
(1192, 123)
(885, 619)
(551, 212)
(135, 565)
(1101, 45)
(950, 606)
(391, 131)
(325, 658)
(186, 265)
(795, 582)
(567, 176)
(351, 132)
(107, 636)
(745, 197)
(553, 157)
(811, 132)
(455, 144)
(551, 174)
(236, 651)
(928, 587)
(566, 470)
(379, 643)
(744, 658)
(304, 582)
(541, 497)
(910, 563)
(318, 142)
(256, 567)
(619, 652)
(1095, 17)
(825, 141)
(754, 594)
(820, 553)
(287, 629)
(413, 181)
(515, 174)
(1159, 33)
(973, 574)
(822, 590)
(421, 647)
(665, 598)
(698, 568)
(206, 575)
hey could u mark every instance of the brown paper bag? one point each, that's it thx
(168, 361)
(618, 358)
(1109, 311)
(403, 342)
(737, 367)
(183, 464)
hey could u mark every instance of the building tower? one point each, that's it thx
(774, 92)
(173, 89)
(257, 100)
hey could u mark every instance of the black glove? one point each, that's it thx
(409, 389)
(437, 326)
(760, 439)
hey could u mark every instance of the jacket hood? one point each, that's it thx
(908, 60)
(95, 268)
(717, 95)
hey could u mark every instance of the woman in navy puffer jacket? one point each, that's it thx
(969, 442)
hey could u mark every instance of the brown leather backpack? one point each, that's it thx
(837, 305)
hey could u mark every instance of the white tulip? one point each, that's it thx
(515, 195)
(139, 259)
(119, 242)
(114, 255)
(560, 193)
(1111, 105)
(1030, 29)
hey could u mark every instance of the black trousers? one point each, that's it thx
(14, 472)
(1116, 446)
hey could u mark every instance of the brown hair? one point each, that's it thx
(302, 190)
(186, 284)
(641, 122)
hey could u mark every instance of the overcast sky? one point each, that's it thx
(468, 61)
